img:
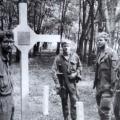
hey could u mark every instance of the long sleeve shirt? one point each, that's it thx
(6, 86)
(73, 65)
(105, 75)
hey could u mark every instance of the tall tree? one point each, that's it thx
(85, 24)
(92, 31)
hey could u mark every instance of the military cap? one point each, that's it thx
(6, 36)
(64, 44)
(9, 34)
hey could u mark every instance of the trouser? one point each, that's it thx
(7, 116)
(12, 114)
(6, 107)
(64, 100)
(116, 106)
(104, 103)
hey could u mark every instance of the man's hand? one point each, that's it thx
(73, 75)
(57, 88)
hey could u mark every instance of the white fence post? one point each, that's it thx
(80, 110)
(46, 100)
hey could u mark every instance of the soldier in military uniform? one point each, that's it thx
(105, 76)
(66, 72)
(116, 103)
(6, 86)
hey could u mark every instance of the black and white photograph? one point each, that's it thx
(59, 60)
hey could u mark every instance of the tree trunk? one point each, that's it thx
(34, 17)
(17, 55)
(92, 33)
(63, 15)
(79, 24)
(2, 24)
(81, 39)
(85, 51)
(80, 48)
(10, 7)
(101, 16)
(35, 49)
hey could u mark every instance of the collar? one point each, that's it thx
(101, 55)
(5, 59)
(65, 57)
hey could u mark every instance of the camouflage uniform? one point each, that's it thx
(6, 86)
(71, 65)
(105, 78)
(116, 104)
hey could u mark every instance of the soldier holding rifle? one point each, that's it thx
(66, 72)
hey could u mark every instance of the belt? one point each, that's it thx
(5, 95)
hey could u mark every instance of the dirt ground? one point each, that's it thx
(40, 75)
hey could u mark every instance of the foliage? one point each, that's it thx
(78, 20)
(8, 14)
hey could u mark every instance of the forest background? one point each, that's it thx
(77, 20)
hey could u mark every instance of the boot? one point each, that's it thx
(66, 118)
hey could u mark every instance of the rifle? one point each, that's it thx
(63, 69)
(96, 75)
(62, 88)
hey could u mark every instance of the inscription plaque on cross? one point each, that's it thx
(25, 38)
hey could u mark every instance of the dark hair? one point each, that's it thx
(9, 34)
(5, 34)
(64, 44)
(2, 35)
(103, 35)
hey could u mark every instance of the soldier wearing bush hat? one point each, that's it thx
(105, 76)
(6, 86)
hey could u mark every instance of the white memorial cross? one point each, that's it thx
(25, 38)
